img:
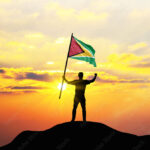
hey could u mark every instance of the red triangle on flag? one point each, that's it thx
(74, 48)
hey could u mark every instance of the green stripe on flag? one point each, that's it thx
(91, 60)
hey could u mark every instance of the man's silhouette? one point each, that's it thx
(79, 94)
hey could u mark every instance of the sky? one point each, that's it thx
(34, 41)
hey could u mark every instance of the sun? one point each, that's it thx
(64, 86)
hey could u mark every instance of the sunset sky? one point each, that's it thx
(34, 40)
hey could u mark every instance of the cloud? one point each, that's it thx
(39, 77)
(25, 74)
(34, 76)
(137, 46)
(92, 23)
(20, 52)
(2, 71)
(27, 18)
(124, 58)
(6, 92)
(91, 16)
(141, 65)
(84, 15)
(143, 86)
(15, 92)
(25, 87)
(78, 16)
(101, 80)
(23, 80)
(34, 36)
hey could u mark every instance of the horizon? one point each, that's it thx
(34, 41)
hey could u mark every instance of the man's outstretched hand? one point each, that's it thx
(95, 74)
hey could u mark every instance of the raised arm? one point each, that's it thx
(69, 82)
(90, 81)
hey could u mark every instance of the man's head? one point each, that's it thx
(80, 74)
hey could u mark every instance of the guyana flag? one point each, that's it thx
(82, 51)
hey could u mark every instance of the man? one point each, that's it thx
(80, 86)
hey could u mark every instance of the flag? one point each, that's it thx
(82, 51)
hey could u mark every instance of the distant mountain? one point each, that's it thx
(78, 136)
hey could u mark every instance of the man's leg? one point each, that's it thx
(83, 105)
(74, 109)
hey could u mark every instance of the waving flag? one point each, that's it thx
(82, 51)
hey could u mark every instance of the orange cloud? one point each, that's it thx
(27, 79)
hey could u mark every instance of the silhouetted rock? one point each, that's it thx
(78, 136)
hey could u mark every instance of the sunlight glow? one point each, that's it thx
(64, 86)
(50, 63)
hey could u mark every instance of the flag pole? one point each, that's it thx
(65, 68)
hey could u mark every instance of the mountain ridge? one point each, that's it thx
(78, 135)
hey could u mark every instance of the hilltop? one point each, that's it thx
(78, 136)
